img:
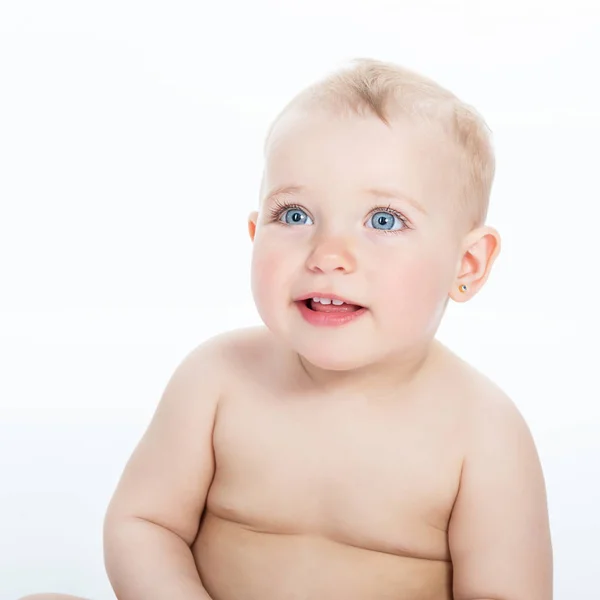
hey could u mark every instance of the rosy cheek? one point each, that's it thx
(268, 268)
(264, 267)
(414, 286)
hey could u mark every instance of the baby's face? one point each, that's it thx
(352, 208)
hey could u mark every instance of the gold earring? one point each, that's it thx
(463, 288)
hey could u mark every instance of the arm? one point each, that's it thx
(154, 514)
(499, 533)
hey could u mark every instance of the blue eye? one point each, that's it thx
(385, 221)
(295, 216)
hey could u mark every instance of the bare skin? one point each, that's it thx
(328, 497)
(355, 462)
(313, 495)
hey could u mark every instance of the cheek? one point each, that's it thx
(416, 289)
(264, 270)
(269, 274)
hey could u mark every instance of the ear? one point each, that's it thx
(479, 251)
(252, 219)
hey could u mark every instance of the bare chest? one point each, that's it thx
(381, 477)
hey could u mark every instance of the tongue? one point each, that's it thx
(318, 307)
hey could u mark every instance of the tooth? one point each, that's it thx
(316, 299)
(338, 302)
(325, 301)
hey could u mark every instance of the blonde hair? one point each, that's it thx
(384, 89)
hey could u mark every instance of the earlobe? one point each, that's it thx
(482, 249)
(252, 224)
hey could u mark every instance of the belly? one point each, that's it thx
(237, 563)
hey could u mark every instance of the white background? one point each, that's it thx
(130, 156)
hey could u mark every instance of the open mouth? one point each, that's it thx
(330, 311)
(326, 305)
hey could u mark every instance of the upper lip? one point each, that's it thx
(326, 295)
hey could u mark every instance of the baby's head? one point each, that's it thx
(375, 189)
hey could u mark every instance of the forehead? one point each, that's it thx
(322, 151)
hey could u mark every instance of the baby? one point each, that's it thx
(342, 452)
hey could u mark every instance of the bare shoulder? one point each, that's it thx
(499, 532)
(489, 410)
(235, 352)
(166, 479)
(493, 429)
(478, 398)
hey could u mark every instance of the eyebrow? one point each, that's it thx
(284, 189)
(379, 192)
(394, 193)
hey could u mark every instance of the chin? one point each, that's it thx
(329, 350)
(332, 360)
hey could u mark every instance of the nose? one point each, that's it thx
(333, 254)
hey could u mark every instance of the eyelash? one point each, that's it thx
(282, 206)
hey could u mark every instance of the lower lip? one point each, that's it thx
(328, 319)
